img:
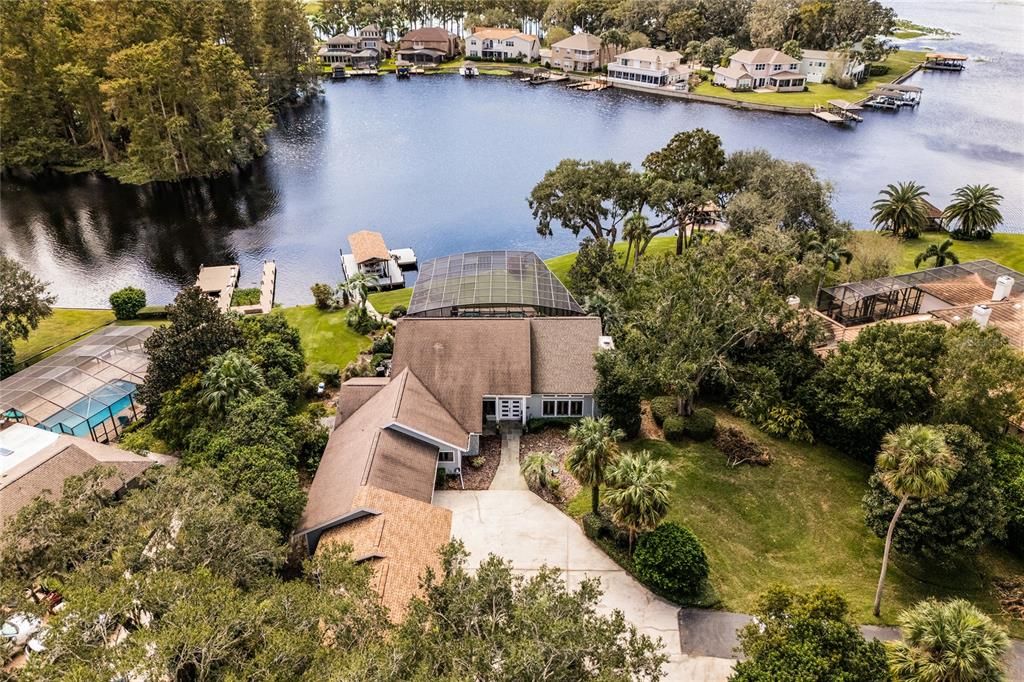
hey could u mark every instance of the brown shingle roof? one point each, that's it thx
(419, 410)
(970, 289)
(400, 541)
(461, 360)
(368, 246)
(1007, 316)
(353, 393)
(563, 353)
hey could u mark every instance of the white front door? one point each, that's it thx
(510, 409)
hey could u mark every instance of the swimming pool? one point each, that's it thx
(80, 417)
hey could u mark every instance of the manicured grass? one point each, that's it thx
(819, 93)
(384, 301)
(799, 522)
(1006, 249)
(325, 336)
(59, 329)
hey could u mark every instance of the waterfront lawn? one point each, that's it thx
(384, 301)
(1006, 249)
(819, 93)
(799, 521)
(60, 329)
(325, 335)
(560, 265)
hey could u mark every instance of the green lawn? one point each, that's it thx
(799, 522)
(559, 265)
(59, 329)
(819, 93)
(1006, 249)
(325, 336)
(384, 301)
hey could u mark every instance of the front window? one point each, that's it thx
(777, 67)
(446, 457)
(562, 407)
(759, 67)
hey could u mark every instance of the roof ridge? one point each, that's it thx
(404, 376)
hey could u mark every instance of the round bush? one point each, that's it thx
(672, 560)
(127, 302)
(701, 424)
(674, 428)
(397, 312)
(663, 407)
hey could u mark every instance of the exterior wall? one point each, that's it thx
(506, 48)
(568, 59)
(816, 68)
(535, 405)
(643, 77)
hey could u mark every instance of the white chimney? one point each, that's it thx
(1001, 292)
(605, 343)
(980, 314)
(793, 301)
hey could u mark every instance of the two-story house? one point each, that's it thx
(502, 44)
(821, 65)
(428, 45)
(763, 68)
(364, 50)
(582, 52)
(648, 67)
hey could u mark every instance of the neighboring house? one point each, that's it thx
(364, 50)
(371, 256)
(582, 52)
(503, 44)
(761, 69)
(648, 67)
(451, 381)
(430, 45)
(934, 216)
(982, 290)
(35, 462)
(820, 65)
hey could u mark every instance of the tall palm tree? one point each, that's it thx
(900, 210)
(230, 377)
(595, 448)
(941, 253)
(834, 254)
(358, 286)
(950, 640)
(639, 487)
(975, 210)
(636, 231)
(915, 462)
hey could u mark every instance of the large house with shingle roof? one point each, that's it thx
(452, 379)
(428, 45)
(364, 50)
(502, 44)
(759, 69)
(649, 68)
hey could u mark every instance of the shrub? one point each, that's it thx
(361, 321)
(440, 476)
(844, 82)
(476, 462)
(152, 312)
(360, 367)
(593, 526)
(663, 407)
(383, 345)
(250, 296)
(674, 427)
(397, 312)
(788, 421)
(671, 559)
(1008, 464)
(617, 391)
(377, 362)
(740, 449)
(326, 372)
(127, 302)
(323, 295)
(700, 425)
(879, 69)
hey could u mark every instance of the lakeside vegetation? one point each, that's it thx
(384, 301)
(326, 337)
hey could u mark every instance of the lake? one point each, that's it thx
(443, 164)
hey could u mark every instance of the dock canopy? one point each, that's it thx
(368, 246)
(945, 57)
(844, 105)
(899, 87)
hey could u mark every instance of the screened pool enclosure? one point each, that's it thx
(84, 390)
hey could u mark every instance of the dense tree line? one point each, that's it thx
(147, 89)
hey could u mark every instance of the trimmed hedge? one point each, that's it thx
(593, 525)
(700, 425)
(663, 407)
(675, 428)
(672, 560)
(152, 312)
(127, 302)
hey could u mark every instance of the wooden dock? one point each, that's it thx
(839, 112)
(590, 85)
(944, 61)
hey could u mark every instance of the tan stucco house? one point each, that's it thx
(582, 52)
(763, 68)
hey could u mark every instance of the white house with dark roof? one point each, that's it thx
(648, 67)
(761, 69)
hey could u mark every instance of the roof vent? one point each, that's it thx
(1001, 292)
(980, 314)
(793, 301)
(6, 452)
(605, 343)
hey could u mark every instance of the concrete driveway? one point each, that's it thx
(520, 527)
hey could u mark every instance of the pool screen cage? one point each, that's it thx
(84, 390)
(490, 284)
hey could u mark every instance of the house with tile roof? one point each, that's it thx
(452, 379)
(581, 52)
(502, 45)
(761, 69)
(648, 67)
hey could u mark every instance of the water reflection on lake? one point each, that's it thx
(443, 164)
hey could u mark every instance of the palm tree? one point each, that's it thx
(231, 377)
(975, 210)
(833, 252)
(536, 469)
(915, 462)
(638, 492)
(595, 447)
(941, 254)
(358, 286)
(900, 210)
(950, 640)
(636, 231)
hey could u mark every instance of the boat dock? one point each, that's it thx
(944, 61)
(590, 85)
(371, 256)
(219, 283)
(540, 77)
(839, 112)
(894, 96)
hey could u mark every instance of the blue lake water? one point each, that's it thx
(442, 164)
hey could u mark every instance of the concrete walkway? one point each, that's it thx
(520, 527)
(508, 477)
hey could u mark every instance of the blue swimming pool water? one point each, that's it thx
(92, 410)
